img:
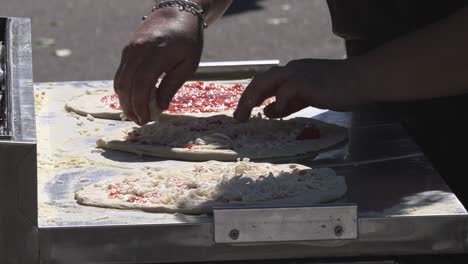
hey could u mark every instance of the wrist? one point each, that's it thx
(179, 6)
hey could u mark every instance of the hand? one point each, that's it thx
(327, 84)
(169, 42)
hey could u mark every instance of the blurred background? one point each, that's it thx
(82, 39)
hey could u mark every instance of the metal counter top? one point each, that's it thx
(404, 206)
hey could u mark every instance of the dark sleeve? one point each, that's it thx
(366, 24)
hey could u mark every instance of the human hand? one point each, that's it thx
(169, 42)
(326, 84)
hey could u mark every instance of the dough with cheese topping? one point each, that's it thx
(222, 138)
(195, 188)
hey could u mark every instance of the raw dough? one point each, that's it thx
(89, 103)
(222, 138)
(195, 188)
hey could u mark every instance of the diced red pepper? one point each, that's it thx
(198, 97)
(189, 146)
(114, 192)
(111, 101)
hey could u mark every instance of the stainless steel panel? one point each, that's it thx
(194, 242)
(284, 224)
(19, 79)
(18, 176)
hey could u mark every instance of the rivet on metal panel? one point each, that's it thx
(338, 230)
(234, 234)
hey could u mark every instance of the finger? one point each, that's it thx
(123, 60)
(285, 94)
(144, 82)
(262, 87)
(286, 102)
(133, 57)
(172, 81)
(124, 90)
(118, 84)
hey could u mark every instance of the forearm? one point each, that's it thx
(432, 62)
(213, 8)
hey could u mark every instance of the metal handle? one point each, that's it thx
(230, 70)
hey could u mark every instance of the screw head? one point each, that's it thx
(234, 234)
(338, 230)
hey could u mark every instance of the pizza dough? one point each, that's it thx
(89, 103)
(195, 188)
(222, 138)
(194, 98)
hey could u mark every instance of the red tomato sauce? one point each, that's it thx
(197, 97)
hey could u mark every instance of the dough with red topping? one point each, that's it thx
(195, 188)
(194, 98)
(223, 138)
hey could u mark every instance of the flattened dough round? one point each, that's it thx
(321, 186)
(89, 102)
(264, 139)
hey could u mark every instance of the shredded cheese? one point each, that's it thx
(217, 132)
(243, 181)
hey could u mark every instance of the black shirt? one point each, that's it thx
(366, 24)
(440, 125)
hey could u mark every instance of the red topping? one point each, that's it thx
(114, 192)
(111, 101)
(117, 190)
(198, 97)
(310, 132)
(189, 146)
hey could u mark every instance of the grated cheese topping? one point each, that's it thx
(217, 132)
(242, 181)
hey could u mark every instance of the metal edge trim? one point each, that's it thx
(21, 96)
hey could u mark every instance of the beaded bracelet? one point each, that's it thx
(183, 5)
